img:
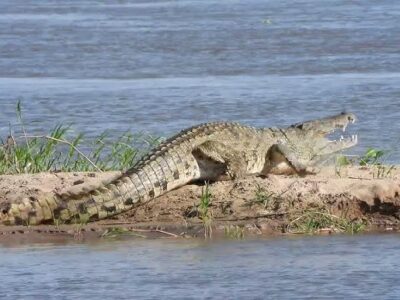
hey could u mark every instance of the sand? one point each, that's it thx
(254, 206)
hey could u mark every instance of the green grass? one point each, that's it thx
(375, 158)
(61, 150)
(268, 200)
(204, 210)
(312, 221)
(341, 162)
(117, 232)
(235, 232)
(263, 197)
(372, 158)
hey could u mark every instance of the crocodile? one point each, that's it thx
(206, 152)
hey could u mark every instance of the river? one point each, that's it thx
(329, 267)
(160, 66)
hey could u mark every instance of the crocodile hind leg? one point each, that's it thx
(220, 162)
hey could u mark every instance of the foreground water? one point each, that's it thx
(347, 267)
(160, 66)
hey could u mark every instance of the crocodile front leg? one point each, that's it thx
(282, 160)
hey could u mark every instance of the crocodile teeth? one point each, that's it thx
(344, 128)
(353, 138)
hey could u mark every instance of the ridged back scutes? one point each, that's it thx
(78, 192)
(187, 134)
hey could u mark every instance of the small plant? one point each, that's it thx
(383, 171)
(78, 231)
(263, 197)
(354, 227)
(116, 232)
(204, 211)
(375, 158)
(234, 232)
(371, 157)
(314, 220)
(57, 223)
(341, 162)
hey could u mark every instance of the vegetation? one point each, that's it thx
(204, 210)
(234, 232)
(269, 200)
(341, 162)
(263, 197)
(373, 158)
(117, 232)
(315, 220)
(60, 151)
(376, 159)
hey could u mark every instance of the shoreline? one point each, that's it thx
(350, 200)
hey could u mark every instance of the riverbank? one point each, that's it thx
(349, 200)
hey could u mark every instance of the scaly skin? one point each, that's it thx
(207, 152)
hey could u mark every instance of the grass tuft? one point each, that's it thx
(341, 162)
(204, 210)
(235, 232)
(263, 197)
(376, 159)
(316, 220)
(117, 232)
(59, 150)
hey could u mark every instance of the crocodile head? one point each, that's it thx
(310, 141)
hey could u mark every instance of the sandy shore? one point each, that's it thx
(252, 206)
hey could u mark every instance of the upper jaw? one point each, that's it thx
(320, 128)
(341, 122)
(327, 125)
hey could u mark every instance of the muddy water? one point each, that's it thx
(362, 267)
(159, 66)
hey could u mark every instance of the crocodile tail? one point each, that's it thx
(132, 188)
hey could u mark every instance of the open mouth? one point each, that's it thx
(352, 139)
(328, 128)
